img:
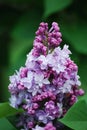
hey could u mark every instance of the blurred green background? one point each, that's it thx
(19, 19)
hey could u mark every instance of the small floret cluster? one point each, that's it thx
(47, 86)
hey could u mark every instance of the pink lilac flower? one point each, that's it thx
(48, 85)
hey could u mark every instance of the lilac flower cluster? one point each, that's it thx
(46, 40)
(48, 84)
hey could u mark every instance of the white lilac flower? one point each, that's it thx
(40, 80)
(27, 81)
(30, 58)
(38, 128)
(13, 101)
(42, 116)
(48, 85)
(44, 62)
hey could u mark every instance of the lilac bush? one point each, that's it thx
(48, 85)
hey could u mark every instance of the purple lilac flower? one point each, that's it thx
(48, 85)
(49, 126)
(52, 110)
(45, 39)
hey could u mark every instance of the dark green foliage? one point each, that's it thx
(6, 125)
(19, 20)
(76, 118)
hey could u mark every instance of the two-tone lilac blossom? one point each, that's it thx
(48, 85)
(53, 111)
(54, 36)
(46, 40)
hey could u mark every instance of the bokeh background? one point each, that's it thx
(19, 19)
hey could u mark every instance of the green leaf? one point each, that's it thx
(75, 32)
(52, 6)
(76, 117)
(6, 125)
(7, 110)
(14, 120)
